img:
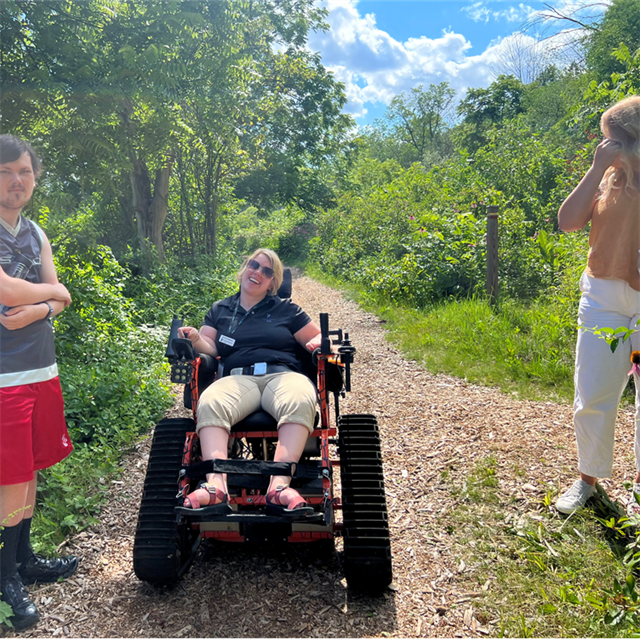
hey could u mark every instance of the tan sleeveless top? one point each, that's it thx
(614, 239)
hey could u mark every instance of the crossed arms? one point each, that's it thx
(26, 298)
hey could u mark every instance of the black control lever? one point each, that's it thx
(325, 344)
(176, 324)
(347, 351)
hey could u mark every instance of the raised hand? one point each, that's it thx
(606, 153)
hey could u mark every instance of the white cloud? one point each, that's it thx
(584, 10)
(375, 67)
(480, 12)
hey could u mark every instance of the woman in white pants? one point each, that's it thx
(608, 197)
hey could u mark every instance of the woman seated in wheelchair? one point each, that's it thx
(255, 334)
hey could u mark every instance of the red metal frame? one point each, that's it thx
(195, 394)
(256, 499)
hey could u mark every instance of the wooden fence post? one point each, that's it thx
(492, 253)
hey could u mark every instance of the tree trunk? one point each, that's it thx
(214, 225)
(215, 201)
(159, 207)
(151, 207)
(185, 200)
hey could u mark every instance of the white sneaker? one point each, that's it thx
(633, 508)
(576, 497)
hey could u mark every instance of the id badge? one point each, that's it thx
(227, 340)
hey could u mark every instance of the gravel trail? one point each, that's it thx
(428, 424)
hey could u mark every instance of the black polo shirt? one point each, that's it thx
(263, 334)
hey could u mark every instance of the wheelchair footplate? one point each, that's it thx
(250, 478)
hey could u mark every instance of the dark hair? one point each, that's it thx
(11, 148)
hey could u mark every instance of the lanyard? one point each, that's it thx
(232, 329)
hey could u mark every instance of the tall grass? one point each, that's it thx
(524, 348)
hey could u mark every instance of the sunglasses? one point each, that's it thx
(254, 265)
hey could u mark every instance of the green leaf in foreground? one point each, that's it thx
(6, 612)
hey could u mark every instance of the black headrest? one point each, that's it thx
(285, 288)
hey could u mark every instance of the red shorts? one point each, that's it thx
(33, 433)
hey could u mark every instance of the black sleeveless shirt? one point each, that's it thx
(27, 355)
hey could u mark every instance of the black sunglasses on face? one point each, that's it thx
(254, 265)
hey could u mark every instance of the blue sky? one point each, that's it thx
(380, 48)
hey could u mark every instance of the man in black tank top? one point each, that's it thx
(33, 433)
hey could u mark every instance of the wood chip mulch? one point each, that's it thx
(428, 424)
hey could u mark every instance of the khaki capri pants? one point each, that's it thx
(287, 396)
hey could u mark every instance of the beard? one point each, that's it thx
(14, 200)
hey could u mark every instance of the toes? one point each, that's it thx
(192, 501)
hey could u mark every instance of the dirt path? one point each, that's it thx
(428, 424)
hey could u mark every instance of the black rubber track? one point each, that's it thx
(367, 548)
(164, 548)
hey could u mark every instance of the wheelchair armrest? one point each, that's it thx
(207, 372)
(208, 364)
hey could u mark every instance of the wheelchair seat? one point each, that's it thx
(260, 420)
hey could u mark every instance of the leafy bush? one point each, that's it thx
(415, 243)
(420, 238)
(184, 288)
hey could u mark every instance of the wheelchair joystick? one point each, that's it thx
(180, 353)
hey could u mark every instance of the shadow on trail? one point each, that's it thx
(236, 590)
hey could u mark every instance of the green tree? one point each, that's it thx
(599, 97)
(119, 91)
(620, 25)
(418, 119)
(483, 108)
(110, 77)
(300, 126)
(550, 99)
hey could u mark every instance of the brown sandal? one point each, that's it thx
(297, 505)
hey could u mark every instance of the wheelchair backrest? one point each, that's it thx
(285, 288)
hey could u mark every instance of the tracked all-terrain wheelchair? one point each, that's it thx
(167, 535)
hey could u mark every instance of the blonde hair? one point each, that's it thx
(621, 123)
(276, 265)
